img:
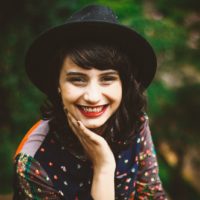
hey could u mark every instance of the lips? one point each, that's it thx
(92, 111)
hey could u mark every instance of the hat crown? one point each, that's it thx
(94, 13)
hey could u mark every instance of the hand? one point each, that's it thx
(94, 145)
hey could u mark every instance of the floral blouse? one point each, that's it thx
(46, 170)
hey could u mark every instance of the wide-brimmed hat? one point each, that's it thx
(92, 22)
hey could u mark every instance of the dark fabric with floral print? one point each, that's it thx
(46, 170)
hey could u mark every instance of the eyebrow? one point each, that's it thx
(71, 73)
(110, 73)
(75, 73)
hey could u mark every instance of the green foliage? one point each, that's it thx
(178, 9)
(164, 172)
(159, 96)
(6, 154)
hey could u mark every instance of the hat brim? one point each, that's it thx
(46, 45)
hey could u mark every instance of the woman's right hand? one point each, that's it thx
(94, 145)
(103, 160)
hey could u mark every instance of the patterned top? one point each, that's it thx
(46, 170)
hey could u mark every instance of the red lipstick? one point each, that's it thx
(92, 111)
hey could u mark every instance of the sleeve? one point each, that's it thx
(148, 184)
(31, 181)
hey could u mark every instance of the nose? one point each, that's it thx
(92, 94)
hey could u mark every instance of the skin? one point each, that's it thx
(92, 88)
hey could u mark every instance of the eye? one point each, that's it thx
(77, 80)
(108, 79)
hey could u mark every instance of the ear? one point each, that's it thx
(59, 91)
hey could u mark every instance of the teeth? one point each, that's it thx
(89, 109)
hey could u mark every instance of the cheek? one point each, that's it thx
(114, 93)
(70, 95)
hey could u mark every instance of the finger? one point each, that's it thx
(77, 125)
(65, 110)
(72, 123)
(75, 128)
(72, 120)
(85, 142)
(89, 134)
(82, 132)
(71, 117)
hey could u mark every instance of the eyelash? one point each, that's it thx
(76, 79)
(105, 80)
(108, 78)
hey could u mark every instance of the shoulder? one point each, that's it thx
(33, 138)
(144, 132)
(31, 179)
(143, 121)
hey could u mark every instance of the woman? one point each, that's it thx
(93, 141)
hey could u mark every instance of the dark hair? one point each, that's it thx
(121, 127)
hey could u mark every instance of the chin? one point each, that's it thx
(96, 128)
(92, 126)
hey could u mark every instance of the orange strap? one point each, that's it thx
(26, 137)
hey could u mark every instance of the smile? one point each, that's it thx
(92, 111)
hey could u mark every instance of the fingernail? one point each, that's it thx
(78, 123)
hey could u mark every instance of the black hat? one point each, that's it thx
(92, 22)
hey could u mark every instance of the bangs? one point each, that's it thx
(101, 56)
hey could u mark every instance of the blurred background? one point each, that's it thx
(171, 26)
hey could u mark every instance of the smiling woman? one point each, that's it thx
(95, 133)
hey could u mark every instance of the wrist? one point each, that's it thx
(103, 178)
(105, 170)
